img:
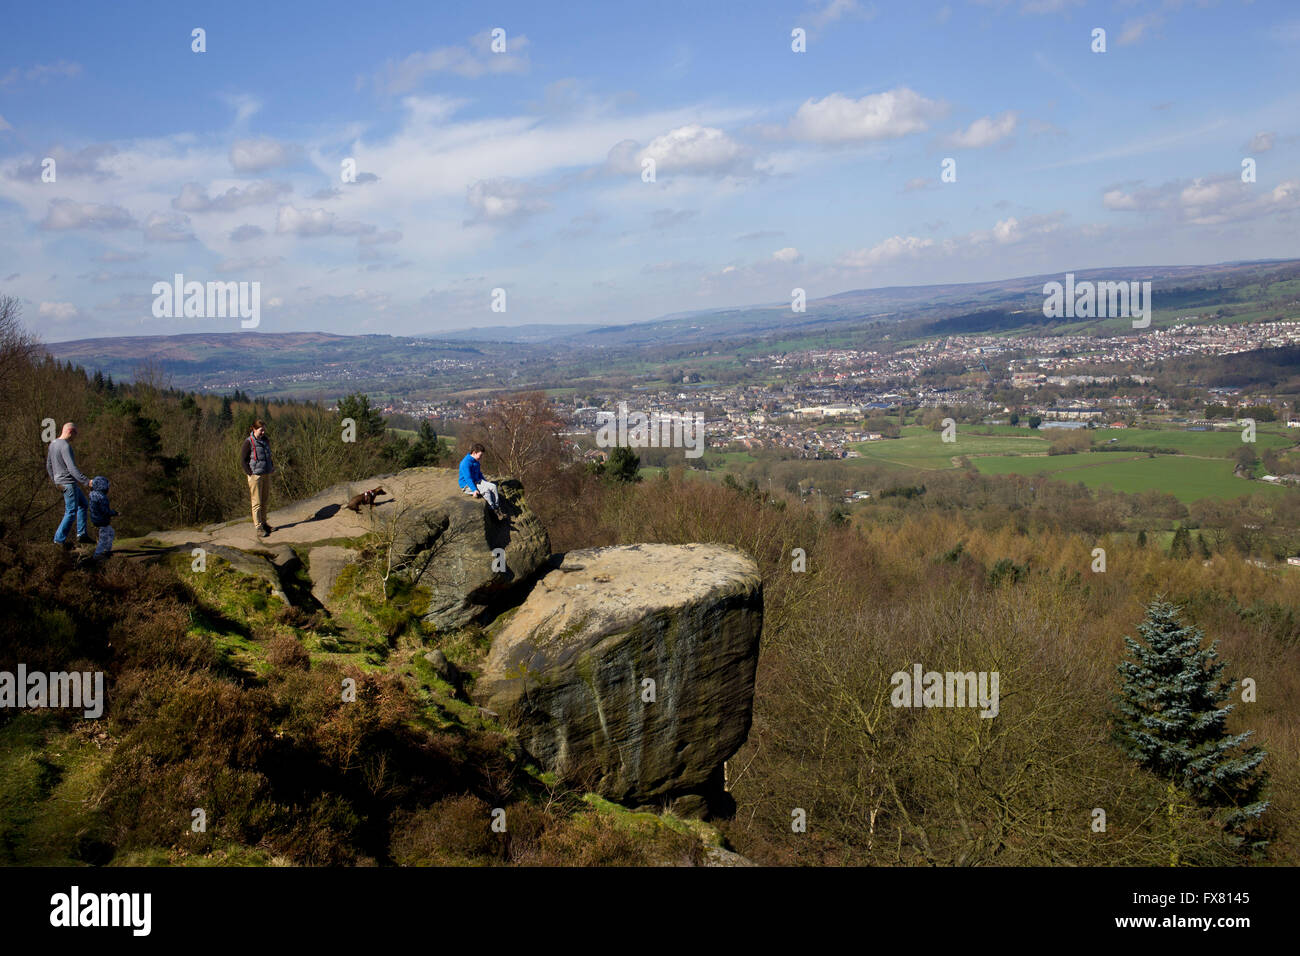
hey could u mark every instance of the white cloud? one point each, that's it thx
(839, 9)
(256, 155)
(246, 232)
(58, 311)
(501, 199)
(249, 263)
(692, 149)
(70, 214)
(169, 227)
(1133, 30)
(316, 222)
(895, 247)
(841, 119)
(1261, 142)
(1118, 199)
(194, 198)
(985, 131)
(788, 255)
(41, 72)
(471, 61)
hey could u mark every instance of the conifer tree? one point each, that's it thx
(1172, 719)
(1181, 546)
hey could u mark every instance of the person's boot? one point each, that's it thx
(85, 539)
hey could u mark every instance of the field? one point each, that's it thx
(1187, 479)
(922, 448)
(1203, 470)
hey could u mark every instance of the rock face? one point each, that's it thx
(438, 534)
(570, 669)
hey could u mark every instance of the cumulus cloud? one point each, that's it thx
(68, 164)
(1261, 142)
(317, 222)
(985, 131)
(57, 311)
(1118, 199)
(471, 61)
(70, 214)
(693, 149)
(837, 118)
(895, 247)
(1206, 201)
(194, 197)
(788, 255)
(1004, 232)
(246, 232)
(495, 200)
(256, 155)
(167, 227)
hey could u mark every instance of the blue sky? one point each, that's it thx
(522, 169)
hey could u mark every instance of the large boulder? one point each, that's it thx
(446, 541)
(453, 545)
(571, 668)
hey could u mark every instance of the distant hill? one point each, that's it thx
(305, 364)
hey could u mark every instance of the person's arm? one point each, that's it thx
(71, 462)
(246, 452)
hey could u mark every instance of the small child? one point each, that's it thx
(101, 516)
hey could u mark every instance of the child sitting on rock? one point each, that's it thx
(101, 516)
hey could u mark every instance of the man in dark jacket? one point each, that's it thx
(62, 468)
(255, 459)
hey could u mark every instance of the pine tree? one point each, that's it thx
(1172, 719)
(1181, 546)
(427, 449)
(623, 465)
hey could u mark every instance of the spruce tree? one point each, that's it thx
(1172, 719)
(1181, 546)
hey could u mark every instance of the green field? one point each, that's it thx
(1203, 470)
(922, 448)
(1187, 479)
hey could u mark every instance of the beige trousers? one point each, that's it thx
(259, 489)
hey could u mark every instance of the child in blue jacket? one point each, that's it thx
(101, 516)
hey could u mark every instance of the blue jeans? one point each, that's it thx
(74, 505)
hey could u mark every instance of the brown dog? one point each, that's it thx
(366, 498)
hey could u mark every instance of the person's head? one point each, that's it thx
(69, 431)
(259, 428)
(477, 452)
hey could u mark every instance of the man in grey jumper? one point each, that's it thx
(62, 469)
